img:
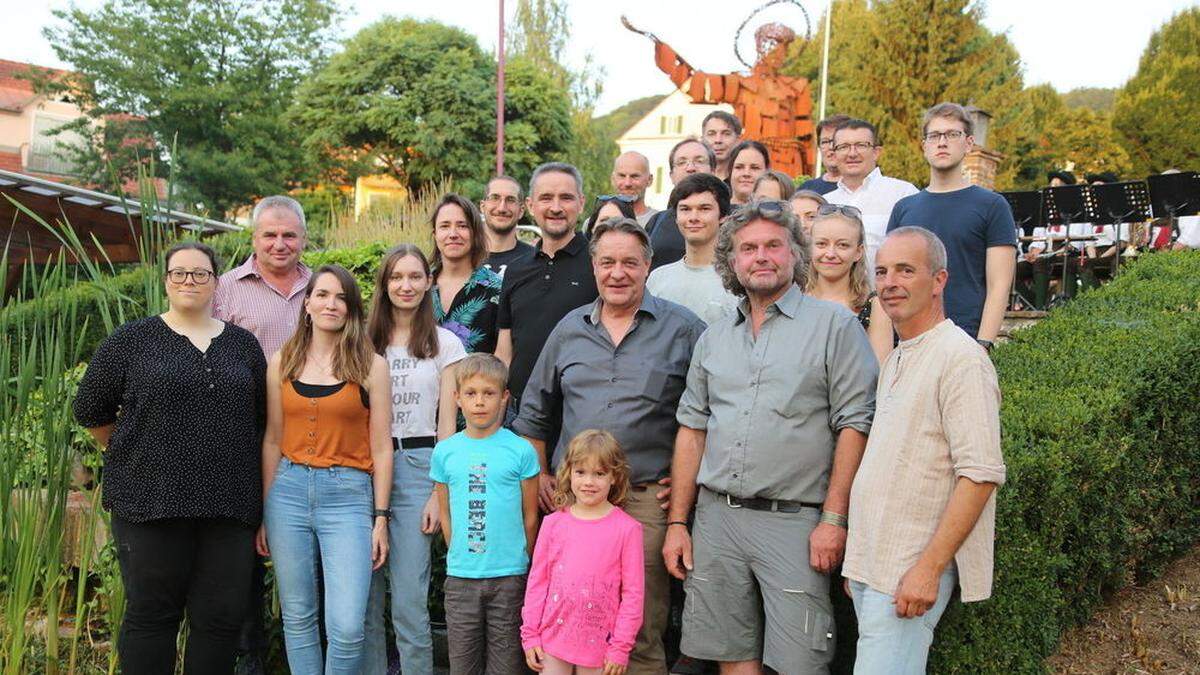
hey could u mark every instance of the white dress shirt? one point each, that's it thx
(1189, 231)
(875, 198)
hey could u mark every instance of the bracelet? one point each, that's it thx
(835, 519)
(382, 513)
(677, 522)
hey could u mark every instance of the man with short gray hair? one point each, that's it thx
(773, 422)
(618, 364)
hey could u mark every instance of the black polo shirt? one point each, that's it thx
(537, 293)
(666, 239)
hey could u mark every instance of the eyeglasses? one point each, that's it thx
(839, 209)
(507, 199)
(684, 162)
(825, 143)
(179, 275)
(939, 136)
(861, 147)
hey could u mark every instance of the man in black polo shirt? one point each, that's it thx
(538, 291)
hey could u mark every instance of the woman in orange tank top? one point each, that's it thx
(327, 469)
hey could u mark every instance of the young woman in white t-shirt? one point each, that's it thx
(421, 357)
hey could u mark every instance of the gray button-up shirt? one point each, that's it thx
(772, 406)
(630, 391)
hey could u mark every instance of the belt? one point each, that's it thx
(414, 442)
(764, 504)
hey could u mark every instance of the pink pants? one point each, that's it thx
(554, 666)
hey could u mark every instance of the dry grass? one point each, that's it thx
(396, 221)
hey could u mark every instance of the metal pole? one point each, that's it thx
(824, 76)
(500, 98)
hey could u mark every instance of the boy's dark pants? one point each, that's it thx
(483, 625)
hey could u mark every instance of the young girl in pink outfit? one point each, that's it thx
(583, 598)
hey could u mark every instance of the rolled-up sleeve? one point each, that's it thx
(970, 404)
(853, 372)
(103, 386)
(693, 411)
(542, 401)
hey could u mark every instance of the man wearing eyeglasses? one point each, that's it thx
(827, 182)
(502, 209)
(975, 224)
(630, 177)
(688, 157)
(861, 184)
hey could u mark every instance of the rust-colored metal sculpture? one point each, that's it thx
(775, 109)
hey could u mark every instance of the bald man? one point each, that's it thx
(630, 177)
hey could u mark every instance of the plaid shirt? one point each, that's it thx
(245, 299)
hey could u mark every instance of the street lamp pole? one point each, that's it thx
(500, 98)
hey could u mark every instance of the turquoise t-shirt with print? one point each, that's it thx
(487, 527)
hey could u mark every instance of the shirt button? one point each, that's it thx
(547, 276)
(208, 370)
(560, 621)
(612, 379)
(609, 403)
(738, 444)
(211, 385)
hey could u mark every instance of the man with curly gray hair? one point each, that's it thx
(773, 422)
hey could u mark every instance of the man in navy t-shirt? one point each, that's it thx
(975, 224)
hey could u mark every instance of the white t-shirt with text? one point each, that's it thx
(416, 384)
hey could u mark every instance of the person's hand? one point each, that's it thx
(917, 591)
(534, 657)
(546, 485)
(379, 543)
(611, 668)
(846, 587)
(826, 545)
(431, 515)
(260, 542)
(1032, 256)
(664, 496)
(677, 551)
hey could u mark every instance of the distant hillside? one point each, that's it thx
(619, 120)
(1094, 98)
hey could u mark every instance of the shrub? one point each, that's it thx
(1100, 418)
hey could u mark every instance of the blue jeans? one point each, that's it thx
(325, 512)
(888, 644)
(406, 572)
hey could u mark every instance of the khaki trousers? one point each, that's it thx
(648, 657)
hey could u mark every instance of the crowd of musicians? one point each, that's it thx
(767, 394)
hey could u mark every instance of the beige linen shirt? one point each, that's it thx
(937, 418)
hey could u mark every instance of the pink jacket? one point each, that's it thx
(583, 598)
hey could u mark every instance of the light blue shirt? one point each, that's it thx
(487, 525)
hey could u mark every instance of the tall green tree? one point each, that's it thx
(1156, 111)
(208, 80)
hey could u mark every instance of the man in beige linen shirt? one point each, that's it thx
(922, 507)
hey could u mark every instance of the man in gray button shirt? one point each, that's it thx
(619, 364)
(773, 423)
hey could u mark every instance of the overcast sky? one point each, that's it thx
(1068, 43)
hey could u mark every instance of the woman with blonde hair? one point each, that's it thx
(327, 474)
(839, 272)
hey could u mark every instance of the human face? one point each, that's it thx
(609, 210)
(407, 283)
(805, 209)
(631, 175)
(502, 207)
(763, 258)
(828, 156)
(278, 241)
(690, 158)
(942, 152)
(451, 233)
(907, 286)
(189, 295)
(721, 138)
(481, 400)
(590, 483)
(835, 247)
(555, 204)
(768, 189)
(326, 306)
(1056, 182)
(699, 218)
(621, 268)
(852, 161)
(745, 170)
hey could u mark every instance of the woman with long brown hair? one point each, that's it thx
(466, 295)
(327, 473)
(420, 357)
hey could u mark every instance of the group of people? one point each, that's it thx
(751, 391)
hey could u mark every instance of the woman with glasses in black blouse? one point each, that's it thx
(177, 401)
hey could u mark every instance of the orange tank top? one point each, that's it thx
(332, 430)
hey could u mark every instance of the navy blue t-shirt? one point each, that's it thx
(818, 185)
(968, 221)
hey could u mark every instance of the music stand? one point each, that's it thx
(1027, 214)
(1120, 203)
(1068, 204)
(1173, 195)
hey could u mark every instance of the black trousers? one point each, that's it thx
(201, 566)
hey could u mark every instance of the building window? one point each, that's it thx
(662, 125)
(679, 124)
(46, 154)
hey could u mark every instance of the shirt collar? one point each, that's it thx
(578, 243)
(250, 268)
(914, 342)
(650, 305)
(875, 173)
(787, 305)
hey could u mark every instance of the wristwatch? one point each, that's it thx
(986, 344)
(386, 513)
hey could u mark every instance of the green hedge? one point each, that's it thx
(1100, 426)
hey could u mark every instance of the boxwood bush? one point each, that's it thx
(1100, 427)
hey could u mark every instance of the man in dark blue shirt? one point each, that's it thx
(975, 224)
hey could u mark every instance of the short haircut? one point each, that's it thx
(952, 111)
(753, 145)
(193, 246)
(625, 207)
(743, 216)
(859, 124)
(935, 250)
(833, 121)
(483, 365)
(712, 156)
(809, 194)
(728, 118)
(283, 202)
(786, 186)
(510, 179)
(1066, 177)
(623, 226)
(701, 182)
(557, 167)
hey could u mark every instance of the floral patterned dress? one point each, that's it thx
(472, 313)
